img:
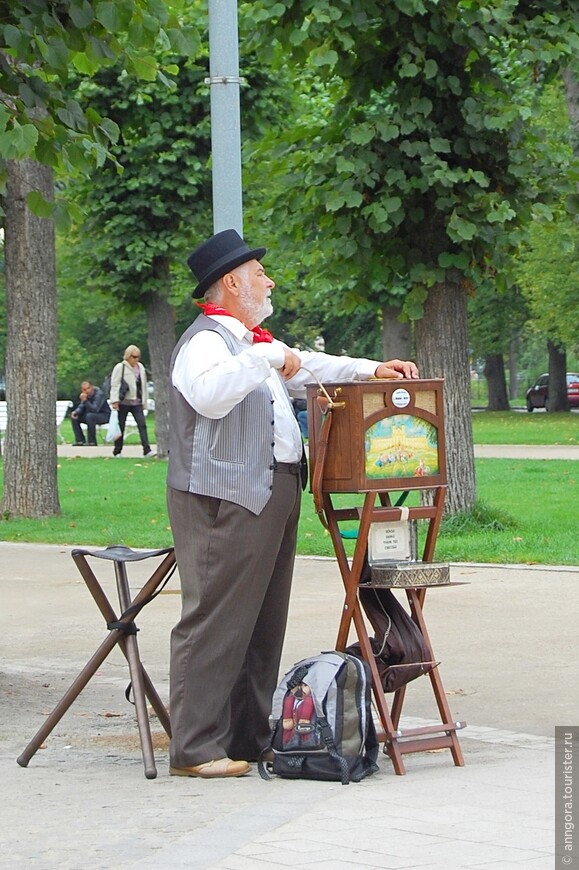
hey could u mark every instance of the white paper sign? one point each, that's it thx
(390, 542)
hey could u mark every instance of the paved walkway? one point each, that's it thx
(526, 451)
(509, 662)
(486, 451)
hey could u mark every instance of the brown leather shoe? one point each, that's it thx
(213, 769)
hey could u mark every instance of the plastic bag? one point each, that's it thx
(113, 429)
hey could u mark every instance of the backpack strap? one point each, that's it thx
(332, 751)
(298, 676)
(263, 766)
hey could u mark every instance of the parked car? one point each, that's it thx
(538, 394)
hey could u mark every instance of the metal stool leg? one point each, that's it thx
(156, 703)
(70, 695)
(135, 669)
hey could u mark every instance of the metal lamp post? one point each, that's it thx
(224, 86)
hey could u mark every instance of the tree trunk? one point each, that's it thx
(396, 336)
(30, 479)
(442, 352)
(557, 399)
(513, 367)
(161, 331)
(494, 373)
(571, 83)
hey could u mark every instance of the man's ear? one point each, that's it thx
(230, 283)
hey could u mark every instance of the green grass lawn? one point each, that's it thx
(520, 427)
(529, 517)
(526, 510)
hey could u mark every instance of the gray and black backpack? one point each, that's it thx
(321, 721)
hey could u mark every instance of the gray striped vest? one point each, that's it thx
(231, 458)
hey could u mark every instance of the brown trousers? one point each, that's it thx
(236, 570)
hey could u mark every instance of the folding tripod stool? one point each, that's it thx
(122, 631)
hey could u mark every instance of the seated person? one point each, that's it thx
(93, 410)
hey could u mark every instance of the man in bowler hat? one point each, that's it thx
(234, 490)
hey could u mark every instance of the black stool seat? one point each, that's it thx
(122, 631)
(119, 553)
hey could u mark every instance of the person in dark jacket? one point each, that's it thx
(93, 410)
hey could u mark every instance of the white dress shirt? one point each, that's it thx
(213, 381)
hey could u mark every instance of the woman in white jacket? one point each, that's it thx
(129, 394)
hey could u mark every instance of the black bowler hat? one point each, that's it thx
(217, 256)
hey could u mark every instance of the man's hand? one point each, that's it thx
(397, 368)
(292, 364)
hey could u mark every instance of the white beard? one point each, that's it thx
(256, 312)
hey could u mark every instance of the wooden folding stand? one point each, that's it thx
(384, 438)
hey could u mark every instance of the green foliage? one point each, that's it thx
(71, 367)
(547, 263)
(548, 266)
(134, 228)
(411, 161)
(92, 331)
(129, 227)
(494, 318)
(544, 264)
(2, 313)
(40, 45)
(135, 234)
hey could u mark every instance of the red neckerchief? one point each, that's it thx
(259, 334)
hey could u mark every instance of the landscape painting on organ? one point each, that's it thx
(400, 446)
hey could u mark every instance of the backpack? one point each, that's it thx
(321, 721)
